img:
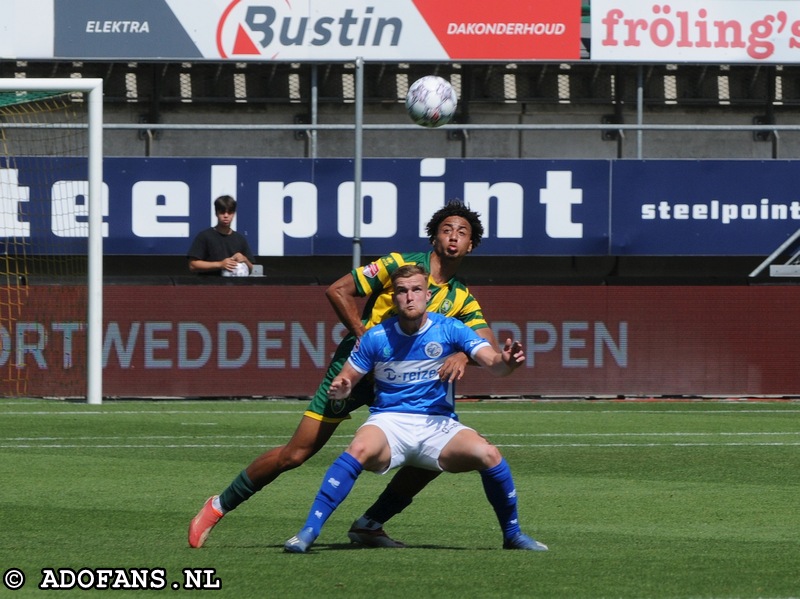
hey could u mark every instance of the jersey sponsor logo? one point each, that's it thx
(473, 342)
(408, 371)
(433, 349)
(370, 270)
(420, 376)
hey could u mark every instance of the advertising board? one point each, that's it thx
(304, 207)
(261, 340)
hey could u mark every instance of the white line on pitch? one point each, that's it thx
(527, 445)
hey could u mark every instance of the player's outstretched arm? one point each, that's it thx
(455, 366)
(502, 363)
(488, 334)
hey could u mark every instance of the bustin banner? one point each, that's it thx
(302, 207)
(290, 30)
(660, 31)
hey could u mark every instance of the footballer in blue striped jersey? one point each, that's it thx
(406, 367)
(412, 420)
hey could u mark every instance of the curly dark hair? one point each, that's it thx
(456, 208)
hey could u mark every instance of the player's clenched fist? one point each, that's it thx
(340, 388)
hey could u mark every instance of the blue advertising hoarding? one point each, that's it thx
(300, 207)
(703, 207)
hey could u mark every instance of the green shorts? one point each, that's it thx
(336, 410)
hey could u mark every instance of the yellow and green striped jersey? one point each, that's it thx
(451, 299)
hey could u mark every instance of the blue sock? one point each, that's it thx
(501, 493)
(338, 481)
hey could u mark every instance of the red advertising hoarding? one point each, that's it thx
(264, 340)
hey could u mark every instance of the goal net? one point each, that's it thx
(51, 238)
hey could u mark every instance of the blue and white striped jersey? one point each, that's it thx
(406, 366)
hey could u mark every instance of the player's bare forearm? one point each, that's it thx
(504, 362)
(455, 366)
(342, 295)
(488, 334)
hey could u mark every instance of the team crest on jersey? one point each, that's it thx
(370, 270)
(433, 349)
(447, 305)
(338, 405)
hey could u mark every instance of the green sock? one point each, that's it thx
(239, 491)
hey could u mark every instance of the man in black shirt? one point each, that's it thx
(220, 250)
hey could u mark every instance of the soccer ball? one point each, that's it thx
(431, 101)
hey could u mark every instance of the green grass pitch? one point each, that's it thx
(634, 499)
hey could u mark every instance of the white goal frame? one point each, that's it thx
(94, 314)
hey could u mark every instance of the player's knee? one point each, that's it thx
(360, 450)
(374, 457)
(293, 457)
(490, 456)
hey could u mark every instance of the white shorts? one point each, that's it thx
(415, 439)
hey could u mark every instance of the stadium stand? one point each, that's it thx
(151, 93)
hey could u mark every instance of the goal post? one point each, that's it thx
(89, 92)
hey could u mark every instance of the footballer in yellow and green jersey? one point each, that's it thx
(451, 299)
(374, 282)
